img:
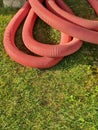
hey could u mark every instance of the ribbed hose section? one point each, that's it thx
(65, 48)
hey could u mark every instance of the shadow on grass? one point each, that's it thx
(7, 10)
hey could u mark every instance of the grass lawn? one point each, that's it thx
(64, 97)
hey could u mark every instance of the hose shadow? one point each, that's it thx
(87, 55)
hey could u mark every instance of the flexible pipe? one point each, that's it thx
(64, 49)
(90, 24)
(58, 15)
(15, 53)
(64, 25)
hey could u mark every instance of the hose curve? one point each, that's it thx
(58, 15)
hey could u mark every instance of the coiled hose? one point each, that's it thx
(58, 15)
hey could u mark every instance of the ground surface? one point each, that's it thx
(64, 97)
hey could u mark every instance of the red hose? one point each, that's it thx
(44, 49)
(90, 24)
(63, 25)
(15, 53)
(57, 15)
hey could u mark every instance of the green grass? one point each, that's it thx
(64, 97)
